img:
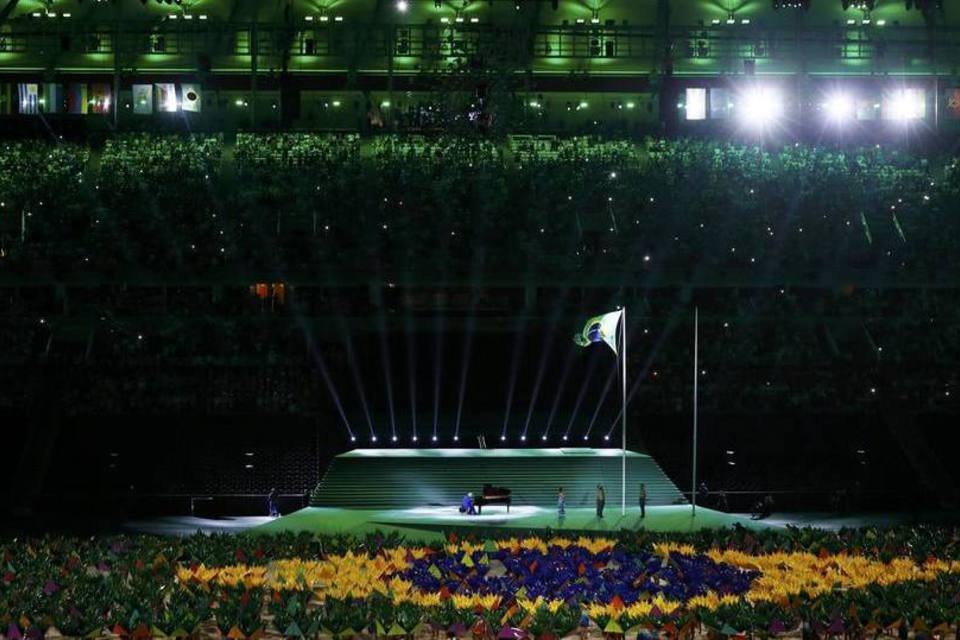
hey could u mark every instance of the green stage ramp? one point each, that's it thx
(403, 478)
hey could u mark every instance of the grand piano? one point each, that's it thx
(493, 495)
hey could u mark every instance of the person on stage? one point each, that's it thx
(601, 500)
(561, 503)
(272, 507)
(643, 500)
(467, 505)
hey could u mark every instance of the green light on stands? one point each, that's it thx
(336, 103)
(583, 104)
(385, 104)
(631, 105)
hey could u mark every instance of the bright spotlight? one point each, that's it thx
(353, 438)
(374, 438)
(434, 438)
(543, 437)
(759, 107)
(606, 437)
(905, 104)
(585, 437)
(523, 438)
(402, 6)
(503, 438)
(456, 438)
(394, 438)
(839, 107)
(414, 438)
(564, 437)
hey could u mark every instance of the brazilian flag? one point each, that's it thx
(601, 328)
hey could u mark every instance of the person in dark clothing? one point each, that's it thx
(561, 502)
(601, 500)
(722, 501)
(643, 500)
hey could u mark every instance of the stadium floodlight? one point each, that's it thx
(402, 6)
(759, 106)
(905, 104)
(839, 107)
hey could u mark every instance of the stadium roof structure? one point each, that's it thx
(591, 36)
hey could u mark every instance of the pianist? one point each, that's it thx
(467, 506)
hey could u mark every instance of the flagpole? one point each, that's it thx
(623, 424)
(696, 341)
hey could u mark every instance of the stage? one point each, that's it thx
(430, 523)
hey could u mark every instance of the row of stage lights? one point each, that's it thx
(543, 438)
(763, 107)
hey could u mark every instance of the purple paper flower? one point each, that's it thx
(574, 575)
(50, 588)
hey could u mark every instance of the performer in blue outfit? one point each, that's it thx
(467, 506)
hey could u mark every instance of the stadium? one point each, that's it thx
(489, 318)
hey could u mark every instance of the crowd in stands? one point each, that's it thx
(303, 201)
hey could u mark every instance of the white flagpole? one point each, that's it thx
(696, 340)
(623, 427)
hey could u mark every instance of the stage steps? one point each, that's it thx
(403, 478)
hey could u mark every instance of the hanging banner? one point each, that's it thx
(29, 94)
(52, 100)
(190, 99)
(953, 103)
(143, 99)
(166, 97)
(77, 98)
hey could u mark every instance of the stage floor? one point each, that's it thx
(428, 523)
(413, 524)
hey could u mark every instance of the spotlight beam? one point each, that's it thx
(411, 372)
(331, 387)
(518, 344)
(582, 392)
(561, 387)
(357, 378)
(603, 396)
(322, 366)
(475, 278)
(437, 371)
(387, 372)
(464, 370)
(546, 350)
